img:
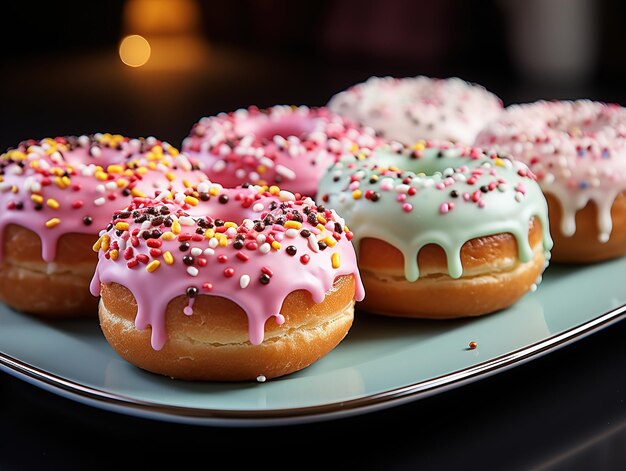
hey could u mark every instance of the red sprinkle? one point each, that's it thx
(252, 245)
(242, 256)
(267, 271)
(155, 253)
(305, 259)
(77, 204)
(132, 263)
(134, 241)
(128, 253)
(222, 258)
(229, 272)
(207, 286)
(143, 258)
(154, 243)
(201, 261)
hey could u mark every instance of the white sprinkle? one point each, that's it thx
(193, 271)
(292, 233)
(213, 242)
(285, 172)
(100, 188)
(261, 379)
(218, 166)
(186, 221)
(244, 281)
(111, 186)
(265, 248)
(313, 243)
(196, 251)
(260, 239)
(208, 252)
(285, 195)
(257, 208)
(99, 201)
(203, 187)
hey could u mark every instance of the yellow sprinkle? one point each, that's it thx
(115, 169)
(356, 194)
(187, 184)
(223, 241)
(122, 183)
(499, 162)
(114, 254)
(101, 175)
(321, 219)
(173, 151)
(66, 181)
(334, 259)
(354, 147)
(96, 246)
(128, 172)
(176, 227)
(419, 145)
(106, 241)
(293, 225)
(152, 165)
(170, 176)
(168, 257)
(14, 189)
(214, 191)
(261, 169)
(52, 203)
(330, 241)
(209, 233)
(230, 224)
(153, 265)
(121, 226)
(168, 236)
(157, 150)
(276, 245)
(142, 170)
(34, 164)
(191, 200)
(137, 193)
(274, 190)
(320, 227)
(38, 199)
(50, 223)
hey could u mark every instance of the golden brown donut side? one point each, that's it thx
(493, 277)
(583, 246)
(56, 290)
(212, 344)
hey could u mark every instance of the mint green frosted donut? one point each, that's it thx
(430, 193)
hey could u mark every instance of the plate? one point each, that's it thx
(383, 362)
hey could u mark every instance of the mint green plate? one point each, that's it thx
(383, 362)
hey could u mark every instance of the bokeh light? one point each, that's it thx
(134, 50)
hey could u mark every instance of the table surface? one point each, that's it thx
(563, 411)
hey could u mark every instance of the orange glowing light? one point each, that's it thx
(134, 50)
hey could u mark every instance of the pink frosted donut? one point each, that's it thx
(577, 150)
(282, 145)
(225, 284)
(413, 108)
(56, 195)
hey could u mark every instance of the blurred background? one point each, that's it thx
(153, 67)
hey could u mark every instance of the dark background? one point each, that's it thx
(61, 74)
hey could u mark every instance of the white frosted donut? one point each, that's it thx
(577, 150)
(413, 108)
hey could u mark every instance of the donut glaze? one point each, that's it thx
(437, 194)
(413, 108)
(281, 145)
(248, 245)
(55, 197)
(577, 150)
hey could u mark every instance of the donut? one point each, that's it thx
(56, 194)
(413, 108)
(577, 150)
(226, 284)
(441, 230)
(281, 145)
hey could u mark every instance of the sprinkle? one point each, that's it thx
(407, 207)
(38, 199)
(152, 266)
(261, 379)
(276, 245)
(244, 281)
(335, 260)
(229, 272)
(191, 200)
(192, 271)
(50, 223)
(122, 226)
(207, 286)
(444, 208)
(305, 259)
(472, 345)
(176, 227)
(114, 254)
(168, 257)
(99, 201)
(293, 224)
(52, 203)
